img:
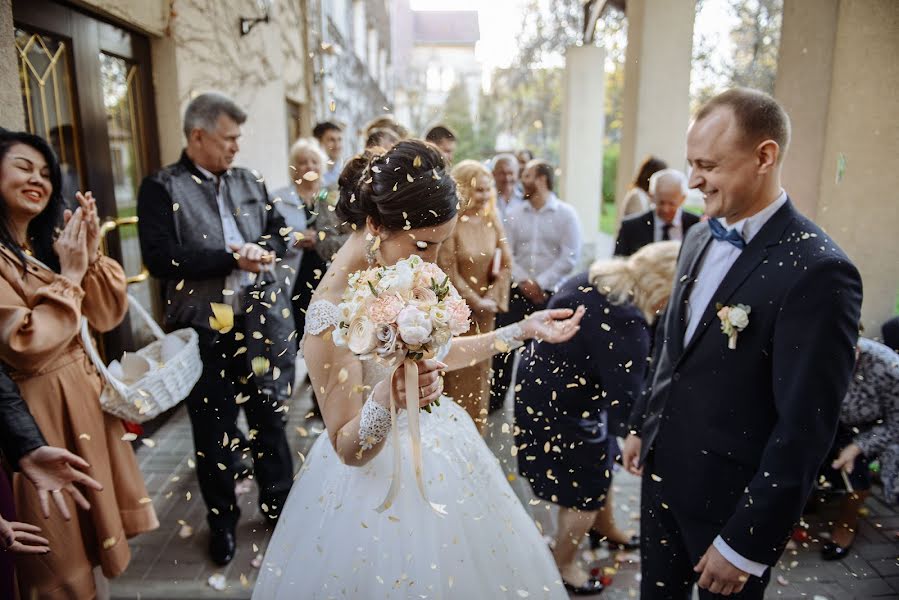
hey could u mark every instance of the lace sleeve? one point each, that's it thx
(320, 315)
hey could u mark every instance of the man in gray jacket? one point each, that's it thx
(208, 232)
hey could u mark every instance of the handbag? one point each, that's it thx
(163, 386)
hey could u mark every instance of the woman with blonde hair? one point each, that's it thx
(480, 266)
(308, 209)
(575, 397)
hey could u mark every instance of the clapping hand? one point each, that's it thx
(71, 246)
(91, 221)
(54, 470)
(252, 257)
(554, 326)
(20, 538)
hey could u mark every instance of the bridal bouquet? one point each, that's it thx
(400, 315)
(408, 311)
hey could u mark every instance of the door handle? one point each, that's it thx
(110, 225)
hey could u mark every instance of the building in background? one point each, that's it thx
(434, 53)
(107, 82)
(352, 74)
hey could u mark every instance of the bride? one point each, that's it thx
(330, 541)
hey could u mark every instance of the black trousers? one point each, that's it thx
(672, 544)
(519, 308)
(213, 409)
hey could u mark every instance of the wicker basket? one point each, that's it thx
(161, 388)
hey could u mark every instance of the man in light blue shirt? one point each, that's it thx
(544, 237)
(330, 138)
(505, 176)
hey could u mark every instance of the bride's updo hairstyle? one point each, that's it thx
(408, 187)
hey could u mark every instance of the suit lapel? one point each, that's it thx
(650, 232)
(682, 291)
(749, 260)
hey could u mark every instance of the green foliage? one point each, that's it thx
(756, 40)
(610, 172)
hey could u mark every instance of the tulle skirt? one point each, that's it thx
(331, 543)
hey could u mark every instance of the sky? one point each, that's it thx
(500, 23)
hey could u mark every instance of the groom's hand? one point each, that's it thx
(718, 576)
(630, 454)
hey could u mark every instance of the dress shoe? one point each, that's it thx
(831, 551)
(631, 544)
(222, 544)
(591, 588)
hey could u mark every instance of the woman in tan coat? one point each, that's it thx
(47, 283)
(468, 258)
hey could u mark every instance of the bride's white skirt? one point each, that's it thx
(331, 543)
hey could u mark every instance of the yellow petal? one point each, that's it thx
(223, 317)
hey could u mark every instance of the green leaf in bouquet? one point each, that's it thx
(373, 290)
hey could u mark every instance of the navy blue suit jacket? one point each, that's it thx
(737, 436)
(639, 230)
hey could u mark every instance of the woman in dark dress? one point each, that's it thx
(575, 397)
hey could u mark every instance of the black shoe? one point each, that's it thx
(831, 551)
(591, 588)
(595, 539)
(631, 544)
(222, 544)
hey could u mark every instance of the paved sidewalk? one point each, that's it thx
(171, 563)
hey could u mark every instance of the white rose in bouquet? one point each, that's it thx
(414, 326)
(439, 315)
(362, 337)
(400, 277)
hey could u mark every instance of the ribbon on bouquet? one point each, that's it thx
(412, 408)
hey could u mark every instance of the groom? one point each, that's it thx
(731, 435)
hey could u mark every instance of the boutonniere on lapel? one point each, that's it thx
(734, 319)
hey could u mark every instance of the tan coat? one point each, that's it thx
(467, 257)
(40, 316)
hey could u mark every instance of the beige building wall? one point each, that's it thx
(583, 122)
(12, 115)
(656, 85)
(197, 47)
(843, 166)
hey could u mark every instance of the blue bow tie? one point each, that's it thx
(721, 234)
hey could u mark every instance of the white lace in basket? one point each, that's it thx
(163, 386)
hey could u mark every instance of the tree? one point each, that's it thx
(457, 116)
(756, 39)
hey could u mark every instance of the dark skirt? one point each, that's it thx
(567, 460)
(7, 510)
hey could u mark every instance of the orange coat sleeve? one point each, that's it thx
(105, 294)
(35, 330)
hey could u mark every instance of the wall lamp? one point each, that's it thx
(247, 23)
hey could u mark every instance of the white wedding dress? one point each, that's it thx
(331, 543)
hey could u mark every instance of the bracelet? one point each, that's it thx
(374, 423)
(509, 338)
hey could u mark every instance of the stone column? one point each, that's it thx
(583, 122)
(837, 78)
(656, 85)
(12, 113)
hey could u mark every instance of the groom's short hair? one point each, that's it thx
(759, 116)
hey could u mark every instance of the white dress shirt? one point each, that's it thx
(238, 278)
(545, 243)
(503, 206)
(331, 174)
(716, 263)
(675, 232)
